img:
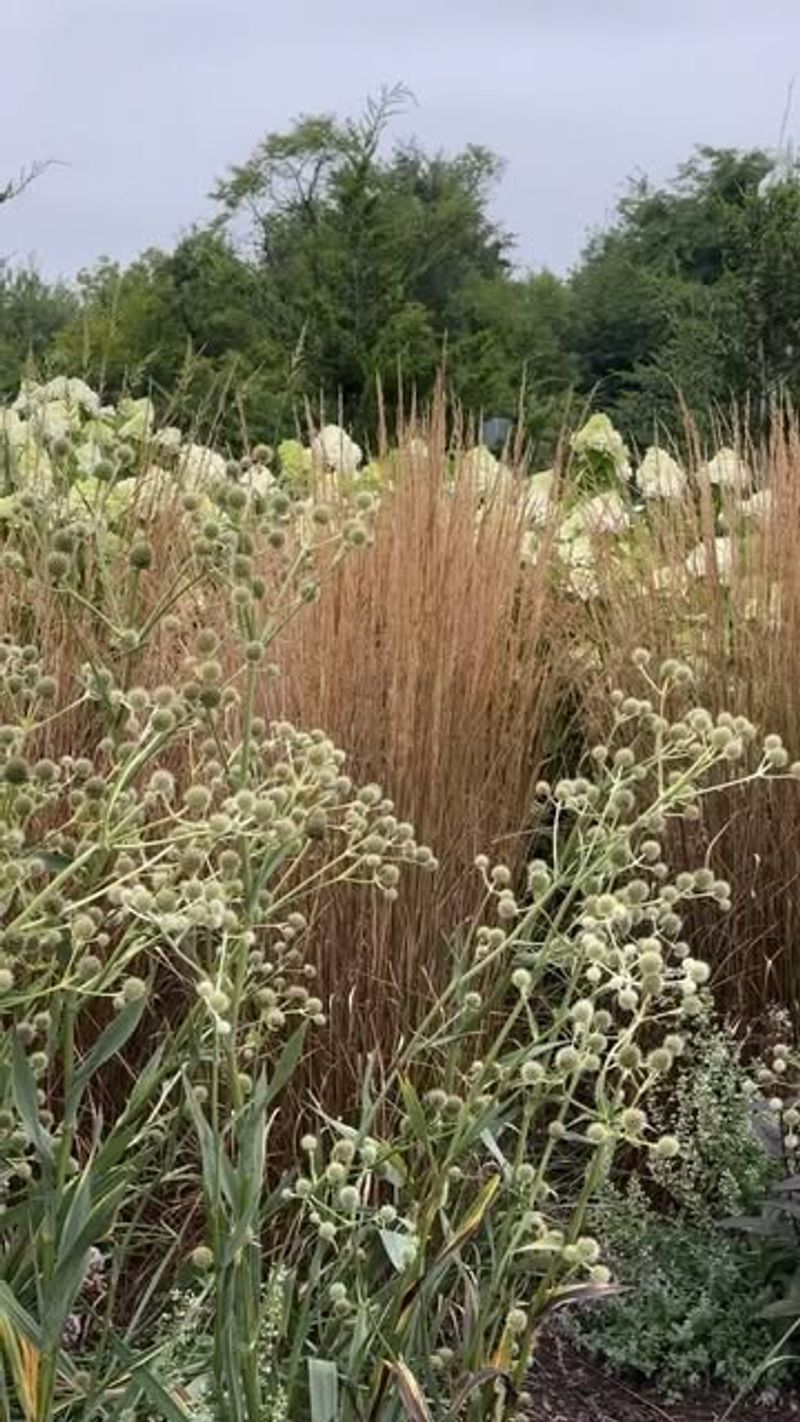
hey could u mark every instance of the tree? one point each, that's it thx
(31, 315)
(363, 259)
(695, 291)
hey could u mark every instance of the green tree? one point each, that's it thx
(31, 314)
(363, 258)
(695, 291)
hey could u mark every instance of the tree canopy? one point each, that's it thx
(338, 261)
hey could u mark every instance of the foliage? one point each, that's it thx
(693, 1312)
(772, 1225)
(698, 1297)
(159, 901)
(691, 292)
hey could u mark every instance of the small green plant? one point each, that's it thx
(692, 1310)
(773, 1223)
(697, 1298)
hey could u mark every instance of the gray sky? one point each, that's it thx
(146, 102)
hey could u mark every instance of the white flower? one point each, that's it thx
(529, 549)
(697, 563)
(480, 464)
(659, 476)
(727, 470)
(200, 465)
(598, 436)
(578, 555)
(756, 611)
(71, 390)
(33, 467)
(259, 479)
(583, 582)
(336, 451)
(138, 418)
(55, 419)
(74, 391)
(603, 513)
(13, 427)
(169, 438)
(539, 497)
(669, 579)
(759, 506)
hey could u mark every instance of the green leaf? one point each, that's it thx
(414, 1111)
(287, 1063)
(87, 1219)
(323, 1390)
(170, 1408)
(396, 1245)
(216, 1165)
(23, 1085)
(111, 1040)
(250, 1172)
(411, 1394)
(472, 1383)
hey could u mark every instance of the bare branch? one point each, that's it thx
(15, 186)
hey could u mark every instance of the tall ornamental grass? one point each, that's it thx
(718, 579)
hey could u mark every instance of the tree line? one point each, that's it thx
(341, 269)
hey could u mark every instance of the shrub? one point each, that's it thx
(696, 1301)
(692, 1313)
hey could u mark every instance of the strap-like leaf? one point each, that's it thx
(323, 1390)
(111, 1041)
(23, 1085)
(410, 1392)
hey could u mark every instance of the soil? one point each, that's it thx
(566, 1386)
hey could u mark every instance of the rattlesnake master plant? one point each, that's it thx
(158, 998)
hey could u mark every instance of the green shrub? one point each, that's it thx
(693, 1309)
(696, 1292)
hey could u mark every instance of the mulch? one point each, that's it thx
(566, 1386)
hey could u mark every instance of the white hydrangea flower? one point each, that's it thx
(70, 389)
(577, 554)
(659, 476)
(603, 513)
(539, 497)
(56, 419)
(33, 468)
(755, 609)
(698, 564)
(200, 465)
(529, 549)
(74, 391)
(670, 578)
(170, 438)
(598, 436)
(259, 479)
(13, 427)
(336, 451)
(138, 418)
(759, 507)
(583, 582)
(480, 464)
(727, 470)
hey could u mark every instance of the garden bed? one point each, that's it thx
(568, 1387)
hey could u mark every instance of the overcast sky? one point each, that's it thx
(146, 102)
